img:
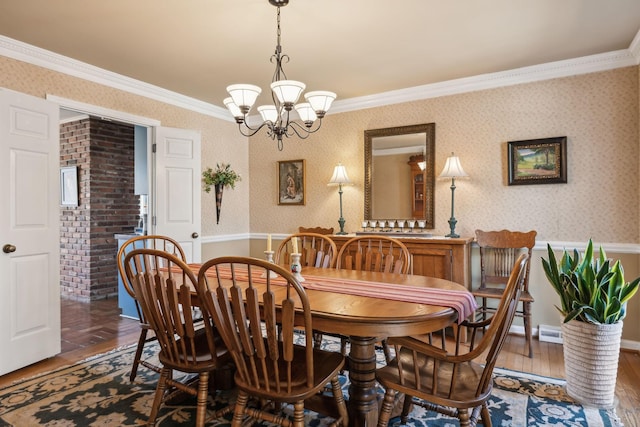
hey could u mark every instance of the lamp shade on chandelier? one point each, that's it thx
(277, 117)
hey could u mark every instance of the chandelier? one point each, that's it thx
(285, 93)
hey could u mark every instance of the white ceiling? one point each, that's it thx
(355, 48)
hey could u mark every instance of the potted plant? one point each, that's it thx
(223, 176)
(593, 295)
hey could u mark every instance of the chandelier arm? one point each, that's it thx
(308, 130)
(252, 131)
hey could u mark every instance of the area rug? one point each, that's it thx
(97, 392)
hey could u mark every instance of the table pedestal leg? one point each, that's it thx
(363, 400)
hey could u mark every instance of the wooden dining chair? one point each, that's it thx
(165, 288)
(498, 252)
(162, 243)
(318, 230)
(374, 253)
(247, 304)
(454, 383)
(316, 250)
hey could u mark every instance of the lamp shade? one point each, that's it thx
(269, 113)
(244, 96)
(339, 176)
(452, 168)
(306, 113)
(287, 91)
(320, 100)
(235, 110)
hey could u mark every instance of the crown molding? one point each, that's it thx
(43, 58)
(588, 64)
(551, 70)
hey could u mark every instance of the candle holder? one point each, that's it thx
(296, 267)
(269, 257)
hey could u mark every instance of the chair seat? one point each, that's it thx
(468, 376)
(326, 365)
(203, 360)
(497, 294)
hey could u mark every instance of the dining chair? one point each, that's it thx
(374, 253)
(454, 383)
(247, 304)
(319, 230)
(165, 288)
(162, 243)
(498, 252)
(316, 250)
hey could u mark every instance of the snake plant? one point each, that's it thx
(591, 288)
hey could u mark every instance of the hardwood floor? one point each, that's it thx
(89, 329)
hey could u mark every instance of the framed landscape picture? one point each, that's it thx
(291, 182)
(538, 161)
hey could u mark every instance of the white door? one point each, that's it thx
(177, 188)
(29, 230)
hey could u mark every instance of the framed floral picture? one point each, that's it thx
(538, 161)
(291, 182)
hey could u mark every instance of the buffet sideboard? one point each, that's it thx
(442, 257)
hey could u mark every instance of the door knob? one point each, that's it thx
(7, 249)
(194, 235)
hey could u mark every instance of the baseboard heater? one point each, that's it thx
(550, 334)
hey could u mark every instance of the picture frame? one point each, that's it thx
(538, 161)
(291, 182)
(69, 186)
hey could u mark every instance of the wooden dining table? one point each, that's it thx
(367, 306)
(367, 319)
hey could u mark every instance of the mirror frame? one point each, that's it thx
(430, 144)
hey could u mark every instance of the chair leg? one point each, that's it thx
(298, 414)
(339, 398)
(386, 351)
(136, 359)
(486, 417)
(406, 408)
(526, 309)
(317, 340)
(203, 393)
(159, 396)
(387, 406)
(463, 416)
(238, 412)
(343, 346)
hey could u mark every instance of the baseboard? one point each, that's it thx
(553, 334)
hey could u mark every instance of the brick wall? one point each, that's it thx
(104, 154)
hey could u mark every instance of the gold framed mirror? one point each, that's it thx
(397, 184)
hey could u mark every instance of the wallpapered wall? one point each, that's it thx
(597, 112)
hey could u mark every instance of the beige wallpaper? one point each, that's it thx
(597, 112)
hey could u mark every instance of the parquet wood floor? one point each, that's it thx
(93, 328)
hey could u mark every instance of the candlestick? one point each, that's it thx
(296, 267)
(269, 257)
(268, 242)
(294, 242)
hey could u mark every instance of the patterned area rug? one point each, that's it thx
(97, 392)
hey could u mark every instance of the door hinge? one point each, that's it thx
(153, 221)
(153, 148)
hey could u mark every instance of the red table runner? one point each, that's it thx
(462, 302)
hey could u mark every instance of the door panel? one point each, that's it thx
(29, 221)
(177, 175)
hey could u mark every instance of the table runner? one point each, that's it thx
(462, 302)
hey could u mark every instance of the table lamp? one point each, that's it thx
(340, 178)
(452, 169)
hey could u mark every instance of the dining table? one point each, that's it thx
(368, 306)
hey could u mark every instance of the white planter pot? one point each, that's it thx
(591, 355)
